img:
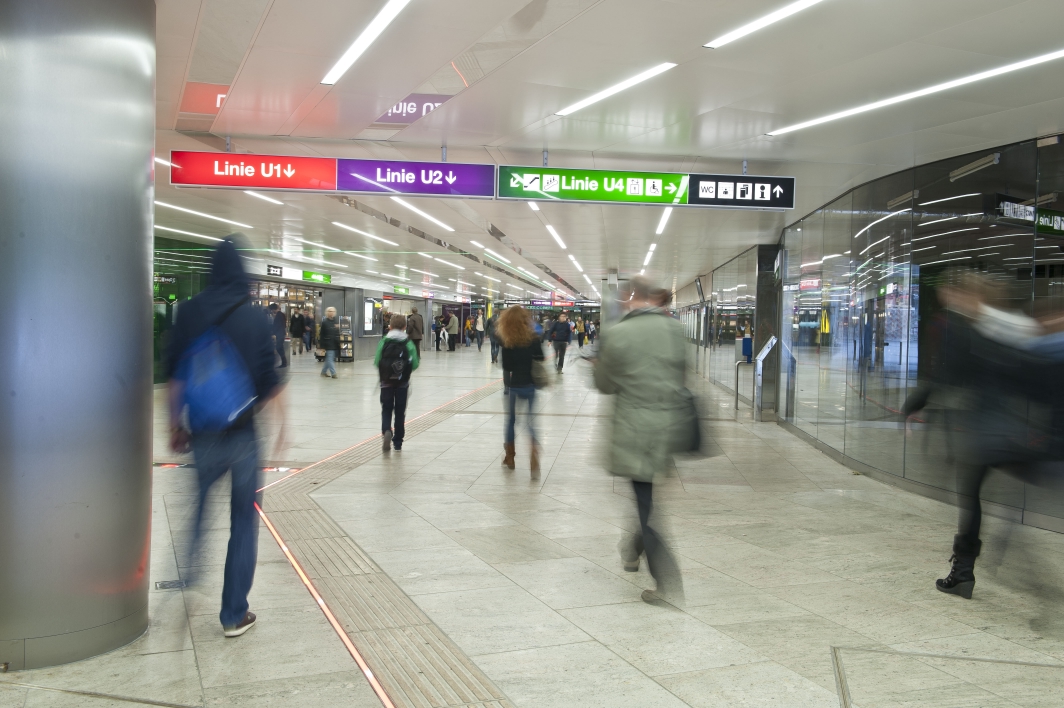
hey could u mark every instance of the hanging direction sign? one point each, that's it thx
(436, 179)
(225, 169)
(611, 186)
(742, 191)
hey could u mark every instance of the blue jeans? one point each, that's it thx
(529, 394)
(393, 398)
(330, 362)
(235, 451)
(495, 348)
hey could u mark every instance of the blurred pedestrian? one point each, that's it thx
(493, 338)
(310, 333)
(437, 330)
(642, 362)
(329, 340)
(521, 349)
(467, 331)
(580, 332)
(279, 328)
(453, 325)
(296, 327)
(396, 359)
(590, 332)
(478, 330)
(221, 370)
(415, 328)
(560, 336)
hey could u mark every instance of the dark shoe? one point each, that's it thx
(398, 448)
(386, 445)
(508, 460)
(245, 624)
(961, 578)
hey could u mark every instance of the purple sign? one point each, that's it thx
(442, 179)
(413, 107)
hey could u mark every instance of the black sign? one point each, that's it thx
(741, 191)
(274, 270)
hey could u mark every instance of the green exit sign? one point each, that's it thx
(543, 183)
(399, 289)
(317, 277)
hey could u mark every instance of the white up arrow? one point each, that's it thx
(778, 190)
(289, 171)
(450, 178)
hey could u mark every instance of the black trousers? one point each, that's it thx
(659, 560)
(559, 354)
(279, 348)
(438, 335)
(452, 340)
(393, 400)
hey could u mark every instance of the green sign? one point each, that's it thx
(317, 277)
(1050, 222)
(400, 290)
(567, 185)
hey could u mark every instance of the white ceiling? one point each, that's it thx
(526, 60)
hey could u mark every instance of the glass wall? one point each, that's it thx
(861, 312)
(733, 301)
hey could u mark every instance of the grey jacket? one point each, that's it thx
(642, 362)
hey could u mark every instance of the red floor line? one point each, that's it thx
(373, 682)
(375, 437)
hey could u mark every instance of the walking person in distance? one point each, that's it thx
(329, 340)
(521, 349)
(280, 329)
(560, 336)
(296, 326)
(396, 360)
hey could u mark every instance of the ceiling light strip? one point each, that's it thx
(200, 213)
(414, 209)
(761, 23)
(363, 233)
(263, 197)
(364, 40)
(616, 88)
(186, 233)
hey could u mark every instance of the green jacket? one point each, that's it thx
(642, 361)
(410, 348)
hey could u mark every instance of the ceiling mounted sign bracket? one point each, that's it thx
(228, 144)
(744, 167)
(443, 154)
(544, 158)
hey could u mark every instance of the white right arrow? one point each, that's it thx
(289, 171)
(778, 190)
(670, 188)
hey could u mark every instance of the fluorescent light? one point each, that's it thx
(925, 248)
(925, 91)
(642, 271)
(361, 44)
(556, 236)
(319, 245)
(200, 213)
(664, 220)
(947, 233)
(761, 23)
(936, 221)
(477, 244)
(533, 206)
(616, 88)
(496, 255)
(186, 233)
(414, 209)
(396, 277)
(983, 162)
(489, 277)
(575, 263)
(161, 161)
(359, 255)
(453, 265)
(895, 213)
(426, 255)
(363, 233)
(263, 197)
(587, 279)
(949, 199)
(424, 272)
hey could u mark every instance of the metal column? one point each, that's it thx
(76, 186)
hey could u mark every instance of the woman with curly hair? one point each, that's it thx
(520, 349)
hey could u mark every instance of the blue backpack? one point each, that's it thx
(219, 390)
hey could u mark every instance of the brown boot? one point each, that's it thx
(534, 461)
(508, 461)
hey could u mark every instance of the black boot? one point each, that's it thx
(961, 578)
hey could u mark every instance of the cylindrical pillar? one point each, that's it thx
(77, 128)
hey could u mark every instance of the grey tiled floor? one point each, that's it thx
(784, 554)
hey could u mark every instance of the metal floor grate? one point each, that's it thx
(415, 662)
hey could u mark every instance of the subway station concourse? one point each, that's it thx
(729, 336)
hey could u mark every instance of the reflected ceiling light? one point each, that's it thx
(359, 255)
(186, 233)
(533, 206)
(664, 220)
(496, 255)
(361, 44)
(949, 218)
(363, 233)
(161, 161)
(478, 244)
(573, 259)
(925, 91)
(453, 265)
(981, 163)
(414, 209)
(489, 277)
(424, 272)
(946, 233)
(394, 277)
(641, 272)
(616, 88)
(556, 236)
(200, 213)
(947, 199)
(894, 213)
(761, 23)
(319, 245)
(263, 197)
(426, 255)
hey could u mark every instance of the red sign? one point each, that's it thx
(205, 99)
(224, 169)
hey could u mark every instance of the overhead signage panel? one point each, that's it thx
(225, 169)
(436, 179)
(742, 191)
(317, 277)
(571, 185)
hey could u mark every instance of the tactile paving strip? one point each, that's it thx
(415, 662)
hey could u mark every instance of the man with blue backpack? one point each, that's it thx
(396, 359)
(221, 369)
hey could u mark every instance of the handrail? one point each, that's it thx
(737, 365)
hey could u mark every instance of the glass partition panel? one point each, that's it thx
(791, 261)
(807, 349)
(835, 330)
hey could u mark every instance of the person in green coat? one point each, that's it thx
(642, 361)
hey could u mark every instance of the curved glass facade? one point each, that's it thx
(859, 307)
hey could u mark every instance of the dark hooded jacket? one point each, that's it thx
(245, 326)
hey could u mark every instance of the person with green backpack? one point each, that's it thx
(396, 360)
